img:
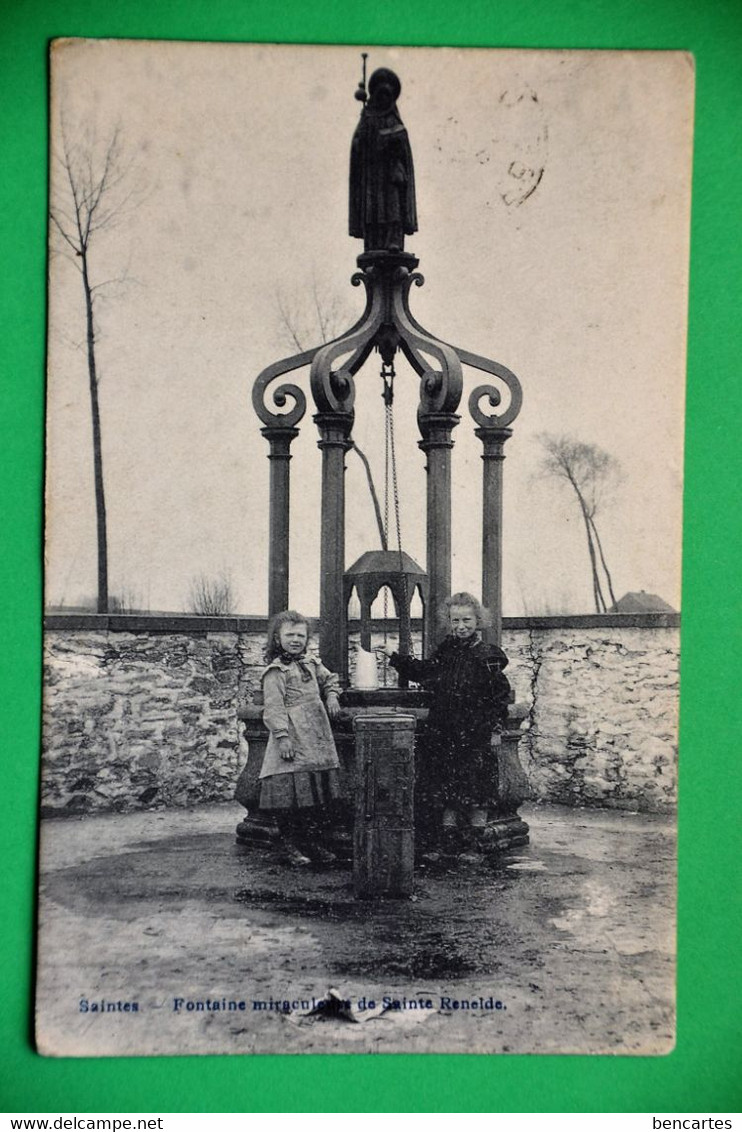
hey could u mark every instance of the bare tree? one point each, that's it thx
(93, 188)
(593, 474)
(212, 597)
(545, 603)
(315, 315)
(127, 599)
(312, 318)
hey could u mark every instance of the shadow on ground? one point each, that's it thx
(564, 946)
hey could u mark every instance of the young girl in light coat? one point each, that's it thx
(299, 781)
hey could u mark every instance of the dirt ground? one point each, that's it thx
(566, 945)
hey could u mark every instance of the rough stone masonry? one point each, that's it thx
(146, 716)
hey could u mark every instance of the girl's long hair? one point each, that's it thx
(286, 617)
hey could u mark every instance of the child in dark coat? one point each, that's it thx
(456, 780)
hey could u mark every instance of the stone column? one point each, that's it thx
(437, 443)
(279, 456)
(383, 830)
(493, 440)
(334, 442)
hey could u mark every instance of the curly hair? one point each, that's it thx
(470, 602)
(286, 617)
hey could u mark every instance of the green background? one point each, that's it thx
(703, 1073)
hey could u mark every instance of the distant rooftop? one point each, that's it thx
(641, 602)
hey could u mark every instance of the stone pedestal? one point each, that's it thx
(257, 829)
(505, 829)
(383, 827)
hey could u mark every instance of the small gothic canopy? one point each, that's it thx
(394, 569)
(377, 568)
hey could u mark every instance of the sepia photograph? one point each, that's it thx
(364, 457)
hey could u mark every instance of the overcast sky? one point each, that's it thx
(241, 183)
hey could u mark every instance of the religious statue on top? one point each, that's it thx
(382, 178)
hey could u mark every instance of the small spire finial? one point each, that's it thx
(361, 88)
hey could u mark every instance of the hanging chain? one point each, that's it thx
(390, 466)
(388, 396)
(395, 492)
(387, 377)
(395, 487)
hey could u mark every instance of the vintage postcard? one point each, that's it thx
(364, 483)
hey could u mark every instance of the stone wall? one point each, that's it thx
(603, 709)
(137, 719)
(143, 712)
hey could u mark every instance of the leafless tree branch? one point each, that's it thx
(593, 474)
(212, 597)
(312, 315)
(91, 195)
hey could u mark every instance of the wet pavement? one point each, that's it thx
(158, 934)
